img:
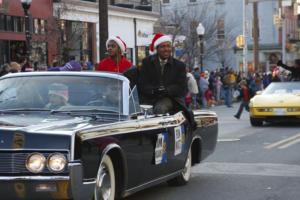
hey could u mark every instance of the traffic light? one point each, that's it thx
(240, 41)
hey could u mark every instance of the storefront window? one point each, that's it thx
(9, 24)
(2, 19)
(43, 25)
(39, 52)
(129, 54)
(17, 24)
(4, 53)
(36, 26)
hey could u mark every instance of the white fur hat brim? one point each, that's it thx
(119, 42)
(161, 40)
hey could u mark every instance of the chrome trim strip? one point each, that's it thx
(133, 126)
(72, 152)
(153, 182)
(34, 178)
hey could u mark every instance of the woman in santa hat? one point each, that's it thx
(115, 62)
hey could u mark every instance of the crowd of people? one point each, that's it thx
(224, 86)
(167, 83)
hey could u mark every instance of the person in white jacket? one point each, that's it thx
(192, 89)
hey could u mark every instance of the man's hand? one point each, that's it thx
(279, 63)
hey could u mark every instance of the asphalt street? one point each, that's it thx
(249, 164)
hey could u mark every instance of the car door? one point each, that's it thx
(179, 142)
(164, 145)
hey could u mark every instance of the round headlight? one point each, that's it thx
(35, 163)
(57, 162)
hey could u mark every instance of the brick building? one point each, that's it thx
(12, 31)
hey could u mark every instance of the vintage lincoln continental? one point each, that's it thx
(84, 135)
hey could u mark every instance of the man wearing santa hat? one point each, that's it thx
(162, 78)
(115, 62)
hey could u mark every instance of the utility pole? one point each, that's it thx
(103, 27)
(245, 47)
(255, 34)
(283, 31)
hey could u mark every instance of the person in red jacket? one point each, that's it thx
(115, 62)
(245, 98)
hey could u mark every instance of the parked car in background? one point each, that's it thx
(280, 101)
(71, 135)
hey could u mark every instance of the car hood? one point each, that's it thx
(276, 100)
(48, 123)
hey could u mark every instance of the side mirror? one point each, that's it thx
(145, 109)
(258, 92)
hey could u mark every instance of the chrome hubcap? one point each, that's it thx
(103, 184)
(187, 169)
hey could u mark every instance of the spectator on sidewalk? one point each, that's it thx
(245, 98)
(14, 67)
(203, 87)
(192, 89)
(218, 86)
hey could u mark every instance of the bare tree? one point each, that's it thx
(185, 20)
(66, 34)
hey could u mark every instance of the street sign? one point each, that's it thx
(240, 41)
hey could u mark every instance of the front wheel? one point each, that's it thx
(185, 175)
(105, 183)
(256, 122)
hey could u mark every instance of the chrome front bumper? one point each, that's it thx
(80, 190)
(48, 187)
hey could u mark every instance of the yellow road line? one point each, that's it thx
(289, 144)
(283, 142)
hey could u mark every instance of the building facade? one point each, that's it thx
(133, 21)
(12, 31)
(64, 28)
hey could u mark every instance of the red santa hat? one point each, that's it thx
(119, 42)
(158, 39)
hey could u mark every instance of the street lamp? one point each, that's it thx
(26, 5)
(200, 32)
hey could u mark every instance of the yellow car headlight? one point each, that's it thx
(35, 163)
(57, 162)
(251, 104)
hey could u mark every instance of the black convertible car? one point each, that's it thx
(83, 135)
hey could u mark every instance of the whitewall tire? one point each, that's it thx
(105, 187)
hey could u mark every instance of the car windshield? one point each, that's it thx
(61, 93)
(283, 88)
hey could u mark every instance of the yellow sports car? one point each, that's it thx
(280, 101)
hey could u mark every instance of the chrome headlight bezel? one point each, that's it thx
(42, 162)
(61, 158)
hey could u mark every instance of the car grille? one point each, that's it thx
(14, 162)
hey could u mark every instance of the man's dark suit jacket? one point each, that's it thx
(173, 79)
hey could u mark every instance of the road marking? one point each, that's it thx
(285, 142)
(229, 140)
(250, 169)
